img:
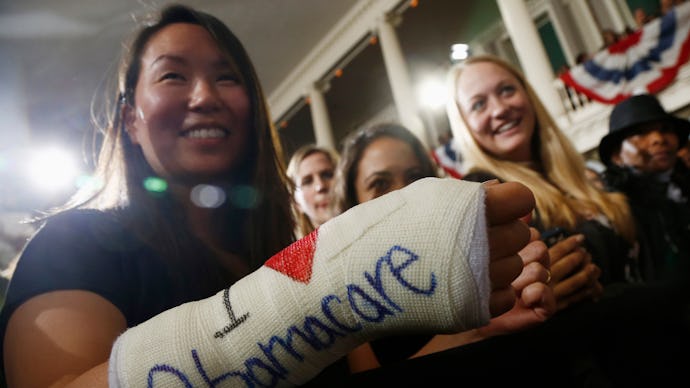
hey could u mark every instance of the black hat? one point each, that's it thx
(639, 109)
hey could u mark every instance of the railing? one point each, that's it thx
(586, 121)
(571, 99)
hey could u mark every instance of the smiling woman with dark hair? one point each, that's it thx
(387, 157)
(181, 268)
(355, 144)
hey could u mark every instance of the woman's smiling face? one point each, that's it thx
(387, 164)
(497, 111)
(191, 111)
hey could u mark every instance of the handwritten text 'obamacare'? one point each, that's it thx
(320, 333)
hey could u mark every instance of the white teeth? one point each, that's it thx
(206, 133)
(506, 126)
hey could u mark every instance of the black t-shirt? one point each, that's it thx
(90, 250)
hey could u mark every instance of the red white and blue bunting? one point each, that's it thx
(448, 159)
(646, 61)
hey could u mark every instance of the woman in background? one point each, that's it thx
(311, 170)
(387, 157)
(503, 131)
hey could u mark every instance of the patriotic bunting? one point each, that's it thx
(646, 61)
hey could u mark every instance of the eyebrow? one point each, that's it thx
(475, 96)
(507, 82)
(503, 82)
(168, 57)
(376, 174)
(222, 62)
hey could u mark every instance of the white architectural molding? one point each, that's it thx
(323, 132)
(590, 120)
(531, 52)
(535, 7)
(560, 25)
(588, 126)
(626, 13)
(615, 16)
(587, 25)
(399, 78)
(360, 21)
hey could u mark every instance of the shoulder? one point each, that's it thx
(78, 250)
(79, 221)
(83, 230)
(73, 237)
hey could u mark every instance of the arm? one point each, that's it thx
(62, 334)
(177, 336)
(62, 313)
(535, 302)
(385, 266)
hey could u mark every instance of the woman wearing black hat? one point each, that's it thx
(640, 152)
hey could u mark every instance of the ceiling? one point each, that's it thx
(56, 56)
(363, 92)
(59, 52)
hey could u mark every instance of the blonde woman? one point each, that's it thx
(311, 169)
(502, 130)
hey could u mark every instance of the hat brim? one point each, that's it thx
(611, 141)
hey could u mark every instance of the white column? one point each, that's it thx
(399, 79)
(531, 53)
(587, 25)
(557, 18)
(323, 132)
(477, 48)
(615, 16)
(501, 49)
(626, 13)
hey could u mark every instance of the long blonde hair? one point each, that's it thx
(563, 193)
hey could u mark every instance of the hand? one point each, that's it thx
(535, 301)
(534, 304)
(505, 204)
(573, 275)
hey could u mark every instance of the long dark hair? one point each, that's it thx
(262, 224)
(353, 147)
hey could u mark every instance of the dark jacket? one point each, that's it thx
(663, 224)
